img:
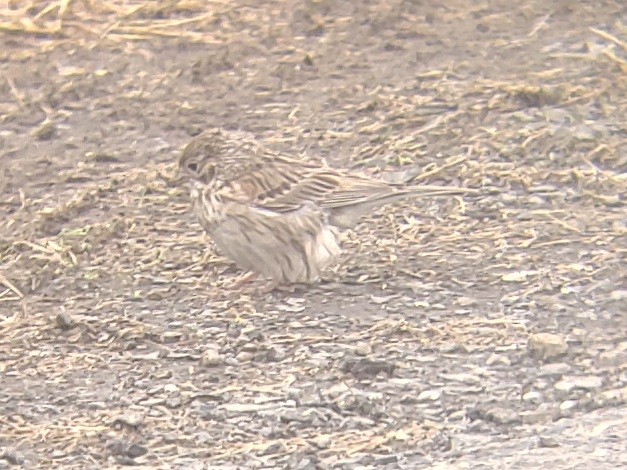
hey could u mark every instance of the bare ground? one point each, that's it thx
(424, 349)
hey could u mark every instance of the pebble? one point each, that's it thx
(587, 382)
(429, 395)
(65, 321)
(545, 441)
(612, 359)
(532, 397)
(132, 420)
(568, 405)
(498, 359)
(542, 414)
(615, 396)
(547, 346)
(363, 349)
(171, 388)
(557, 368)
(244, 356)
(322, 442)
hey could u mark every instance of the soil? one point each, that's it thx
(487, 331)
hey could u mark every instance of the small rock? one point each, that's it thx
(12, 456)
(152, 401)
(337, 390)
(65, 321)
(132, 420)
(322, 442)
(136, 450)
(363, 349)
(173, 403)
(568, 405)
(517, 276)
(498, 359)
(588, 382)
(612, 359)
(550, 442)
(532, 397)
(542, 414)
(558, 368)
(275, 354)
(535, 200)
(465, 301)
(244, 356)
(45, 132)
(170, 438)
(121, 447)
(546, 346)
(364, 368)
(614, 396)
(97, 405)
(463, 377)
(429, 395)
(163, 374)
(496, 415)
(171, 388)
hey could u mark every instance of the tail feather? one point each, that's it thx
(348, 216)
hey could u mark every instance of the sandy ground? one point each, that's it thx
(480, 332)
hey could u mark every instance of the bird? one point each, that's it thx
(275, 215)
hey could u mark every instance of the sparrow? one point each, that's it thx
(277, 216)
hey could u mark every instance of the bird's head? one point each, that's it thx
(217, 156)
(199, 159)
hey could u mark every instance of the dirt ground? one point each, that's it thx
(480, 332)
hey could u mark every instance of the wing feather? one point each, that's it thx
(282, 187)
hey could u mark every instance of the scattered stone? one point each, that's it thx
(171, 388)
(532, 397)
(496, 415)
(547, 346)
(97, 405)
(322, 442)
(363, 349)
(557, 368)
(465, 301)
(65, 321)
(613, 359)
(152, 401)
(173, 403)
(429, 395)
(544, 413)
(244, 356)
(46, 131)
(247, 407)
(337, 390)
(363, 368)
(131, 419)
(545, 441)
(465, 378)
(517, 276)
(498, 359)
(121, 447)
(274, 354)
(12, 456)
(615, 397)
(568, 405)
(288, 416)
(587, 382)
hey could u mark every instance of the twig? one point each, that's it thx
(609, 37)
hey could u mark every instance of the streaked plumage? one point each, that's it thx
(278, 216)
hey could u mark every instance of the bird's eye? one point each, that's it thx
(192, 166)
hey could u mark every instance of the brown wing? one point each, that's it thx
(284, 187)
